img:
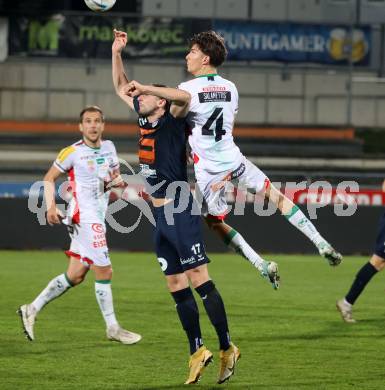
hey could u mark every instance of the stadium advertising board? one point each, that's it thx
(317, 196)
(363, 197)
(92, 36)
(289, 42)
(78, 36)
(3, 39)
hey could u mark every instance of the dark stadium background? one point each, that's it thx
(292, 133)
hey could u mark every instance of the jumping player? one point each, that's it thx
(179, 244)
(213, 106)
(216, 212)
(92, 166)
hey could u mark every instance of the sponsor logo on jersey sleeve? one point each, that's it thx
(65, 153)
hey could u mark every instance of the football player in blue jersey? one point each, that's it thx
(178, 237)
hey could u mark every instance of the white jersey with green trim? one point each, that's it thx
(214, 104)
(88, 169)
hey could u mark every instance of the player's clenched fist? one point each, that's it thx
(133, 88)
(120, 41)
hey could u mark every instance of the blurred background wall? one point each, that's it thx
(310, 74)
(318, 94)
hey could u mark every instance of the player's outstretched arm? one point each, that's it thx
(119, 77)
(180, 100)
(53, 214)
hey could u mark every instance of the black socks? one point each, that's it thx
(187, 309)
(215, 309)
(362, 279)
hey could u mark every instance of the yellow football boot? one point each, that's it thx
(198, 361)
(228, 360)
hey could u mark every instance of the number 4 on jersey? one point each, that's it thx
(217, 117)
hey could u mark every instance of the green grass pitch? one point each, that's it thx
(292, 338)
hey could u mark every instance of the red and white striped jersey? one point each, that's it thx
(88, 171)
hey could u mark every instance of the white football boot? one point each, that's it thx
(346, 311)
(117, 333)
(269, 271)
(329, 253)
(27, 315)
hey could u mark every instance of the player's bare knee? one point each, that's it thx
(283, 203)
(175, 286)
(76, 271)
(198, 275)
(108, 273)
(176, 282)
(76, 277)
(214, 224)
(102, 273)
(377, 262)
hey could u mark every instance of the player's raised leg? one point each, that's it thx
(211, 189)
(298, 219)
(234, 240)
(75, 274)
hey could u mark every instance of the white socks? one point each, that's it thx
(298, 219)
(235, 241)
(59, 285)
(56, 287)
(104, 297)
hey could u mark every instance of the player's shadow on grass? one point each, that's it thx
(360, 326)
(377, 321)
(332, 330)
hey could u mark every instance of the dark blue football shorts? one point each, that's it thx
(179, 246)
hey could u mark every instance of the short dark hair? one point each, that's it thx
(168, 103)
(211, 44)
(91, 109)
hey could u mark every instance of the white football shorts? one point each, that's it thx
(89, 244)
(247, 176)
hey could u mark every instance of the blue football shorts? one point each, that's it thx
(179, 246)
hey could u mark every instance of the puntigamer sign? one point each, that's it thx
(290, 42)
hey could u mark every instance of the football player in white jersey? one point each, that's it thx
(212, 159)
(92, 167)
(214, 104)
